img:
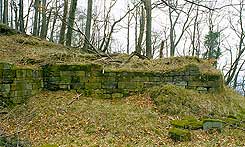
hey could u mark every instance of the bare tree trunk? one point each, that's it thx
(28, 14)
(128, 33)
(71, 20)
(44, 21)
(12, 15)
(63, 25)
(136, 28)
(142, 29)
(35, 25)
(1, 11)
(88, 23)
(171, 34)
(52, 30)
(39, 21)
(161, 50)
(16, 23)
(148, 28)
(21, 17)
(5, 12)
(195, 25)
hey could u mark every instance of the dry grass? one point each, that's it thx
(48, 119)
(173, 100)
(29, 51)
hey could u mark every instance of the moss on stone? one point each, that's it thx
(213, 124)
(49, 145)
(92, 86)
(180, 134)
(191, 124)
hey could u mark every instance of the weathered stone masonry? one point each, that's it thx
(93, 80)
(16, 84)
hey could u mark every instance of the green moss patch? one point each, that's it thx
(187, 124)
(180, 134)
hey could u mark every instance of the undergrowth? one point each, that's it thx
(173, 100)
(50, 118)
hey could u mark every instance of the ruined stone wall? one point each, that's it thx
(17, 84)
(94, 81)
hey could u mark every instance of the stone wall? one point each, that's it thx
(94, 81)
(17, 84)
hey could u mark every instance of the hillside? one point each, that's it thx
(69, 118)
(29, 51)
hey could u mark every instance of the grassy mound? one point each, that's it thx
(51, 118)
(173, 100)
(24, 50)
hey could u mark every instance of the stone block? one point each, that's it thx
(19, 93)
(13, 87)
(94, 79)
(65, 80)
(180, 134)
(27, 93)
(154, 79)
(5, 88)
(109, 79)
(35, 86)
(5, 66)
(67, 73)
(177, 78)
(181, 83)
(130, 85)
(53, 80)
(203, 84)
(92, 85)
(187, 124)
(28, 86)
(140, 79)
(110, 74)
(151, 84)
(64, 87)
(167, 79)
(20, 73)
(20, 85)
(109, 85)
(202, 89)
(80, 73)
(125, 78)
(29, 73)
(75, 79)
(8, 76)
(78, 86)
(35, 74)
(214, 77)
(212, 124)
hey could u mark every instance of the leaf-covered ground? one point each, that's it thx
(58, 118)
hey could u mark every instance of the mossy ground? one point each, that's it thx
(48, 118)
(173, 100)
